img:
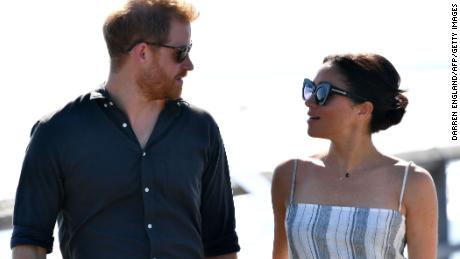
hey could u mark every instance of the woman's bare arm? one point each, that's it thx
(281, 183)
(421, 206)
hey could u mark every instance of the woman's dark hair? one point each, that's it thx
(373, 77)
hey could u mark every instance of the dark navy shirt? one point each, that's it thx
(112, 199)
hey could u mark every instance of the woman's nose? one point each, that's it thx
(310, 101)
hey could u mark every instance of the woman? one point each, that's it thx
(353, 201)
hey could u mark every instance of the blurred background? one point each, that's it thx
(250, 59)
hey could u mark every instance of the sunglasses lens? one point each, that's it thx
(181, 55)
(308, 89)
(321, 94)
(183, 52)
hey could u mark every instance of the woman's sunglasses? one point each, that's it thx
(323, 91)
(181, 51)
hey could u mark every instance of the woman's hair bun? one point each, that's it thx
(373, 77)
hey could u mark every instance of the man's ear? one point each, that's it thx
(139, 52)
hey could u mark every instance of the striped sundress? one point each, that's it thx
(324, 231)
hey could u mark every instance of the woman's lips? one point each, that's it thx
(313, 117)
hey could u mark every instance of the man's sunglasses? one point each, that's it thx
(181, 51)
(323, 90)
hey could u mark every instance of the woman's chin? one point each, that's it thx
(316, 134)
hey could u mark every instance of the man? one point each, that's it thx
(130, 170)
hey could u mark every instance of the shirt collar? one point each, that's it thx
(102, 94)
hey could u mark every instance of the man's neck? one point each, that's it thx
(126, 94)
(142, 113)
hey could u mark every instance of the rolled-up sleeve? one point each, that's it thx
(39, 193)
(217, 209)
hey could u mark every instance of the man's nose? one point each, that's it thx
(187, 63)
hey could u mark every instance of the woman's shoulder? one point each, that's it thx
(415, 172)
(420, 198)
(419, 182)
(281, 182)
(284, 171)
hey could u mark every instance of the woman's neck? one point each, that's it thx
(353, 154)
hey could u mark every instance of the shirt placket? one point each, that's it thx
(122, 122)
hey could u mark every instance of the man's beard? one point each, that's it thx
(155, 84)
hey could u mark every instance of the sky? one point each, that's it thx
(250, 60)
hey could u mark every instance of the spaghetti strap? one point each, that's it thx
(294, 172)
(403, 188)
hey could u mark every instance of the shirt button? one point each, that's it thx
(149, 226)
(144, 154)
(105, 105)
(111, 103)
(124, 125)
(146, 189)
